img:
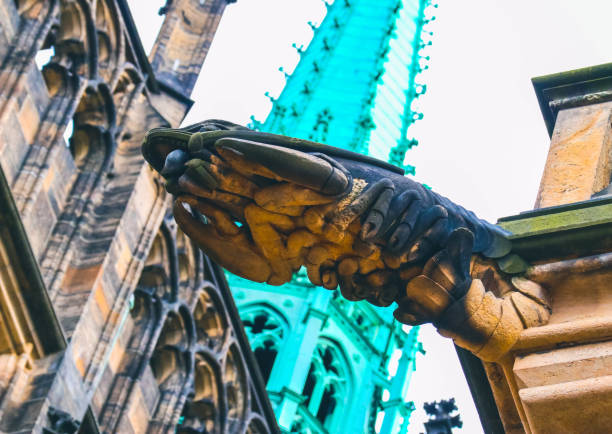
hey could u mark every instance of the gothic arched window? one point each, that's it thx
(200, 412)
(327, 387)
(266, 330)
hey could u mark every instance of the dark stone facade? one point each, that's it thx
(111, 319)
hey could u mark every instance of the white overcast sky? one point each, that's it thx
(482, 141)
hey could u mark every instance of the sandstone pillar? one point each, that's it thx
(558, 377)
(577, 107)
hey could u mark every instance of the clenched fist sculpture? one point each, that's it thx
(263, 205)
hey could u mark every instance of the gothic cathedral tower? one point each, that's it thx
(330, 365)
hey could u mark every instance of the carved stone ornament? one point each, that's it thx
(61, 422)
(264, 205)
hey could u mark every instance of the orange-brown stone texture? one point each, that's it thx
(150, 334)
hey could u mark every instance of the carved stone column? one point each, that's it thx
(558, 377)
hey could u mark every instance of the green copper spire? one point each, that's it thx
(356, 82)
(328, 362)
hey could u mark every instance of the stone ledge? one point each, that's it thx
(563, 365)
(566, 333)
(563, 408)
(559, 218)
(559, 232)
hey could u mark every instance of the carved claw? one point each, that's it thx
(378, 212)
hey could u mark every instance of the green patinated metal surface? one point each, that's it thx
(356, 88)
(356, 85)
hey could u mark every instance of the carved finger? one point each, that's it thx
(361, 287)
(206, 133)
(398, 206)
(377, 214)
(431, 297)
(313, 271)
(298, 243)
(324, 252)
(364, 249)
(450, 268)
(206, 136)
(392, 261)
(383, 290)
(200, 172)
(347, 269)
(288, 164)
(233, 203)
(407, 318)
(432, 240)
(379, 278)
(459, 247)
(384, 296)
(222, 221)
(314, 218)
(230, 180)
(265, 227)
(348, 266)
(410, 313)
(242, 164)
(341, 221)
(329, 278)
(290, 199)
(174, 163)
(237, 254)
(427, 218)
(400, 236)
(347, 288)
(366, 266)
(409, 272)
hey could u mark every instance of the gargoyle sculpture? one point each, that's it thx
(263, 205)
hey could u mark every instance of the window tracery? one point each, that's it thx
(17, 51)
(200, 413)
(183, 339)
(92, 146)
(256, 426)
(108, 38)
(236, 393)
(92, 105)
(210, 325)
(266, 330)
(328, 386)
(71, 57)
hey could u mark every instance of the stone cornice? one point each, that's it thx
(570, 89)
(580, 228)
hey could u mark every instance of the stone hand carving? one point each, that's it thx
(264, 205)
